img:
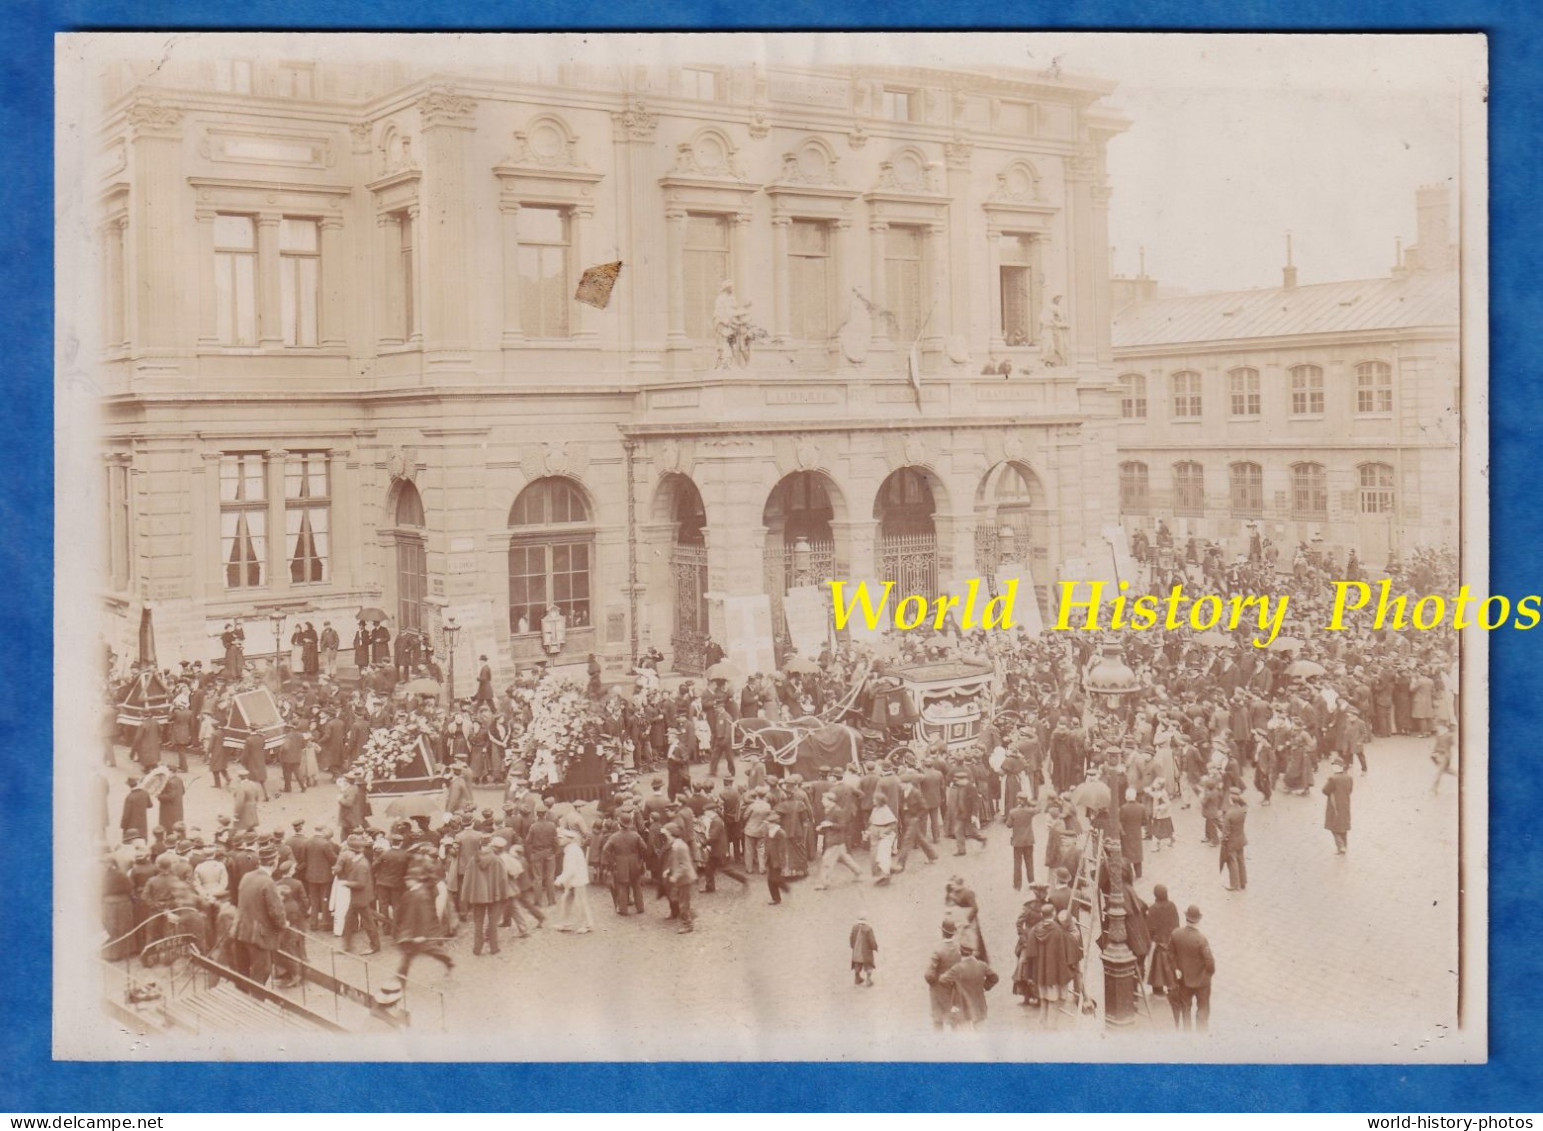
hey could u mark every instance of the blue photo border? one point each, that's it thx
(31, 1081)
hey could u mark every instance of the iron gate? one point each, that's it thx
(911, 562)
(688, 635)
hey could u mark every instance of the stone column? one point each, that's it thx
(412, 288)
(156, 267)
(208, 314)
(675, 241)
(841, 275)
(579, 219)
(344, 532)
(1103, 345)
(877, 291)
(739, 252)
(782, 304)
(513, 332)
(994, 288)
(389, 297)
(270, 315)
(333, 316)
(278, 540)
(632, 135)
(942, 305)
(203, 513)
(441, 250)
(961, 214)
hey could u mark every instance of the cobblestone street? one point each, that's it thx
(1323, 957)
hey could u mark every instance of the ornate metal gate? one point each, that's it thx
(782, 570)
(911, 562)
(688, 635)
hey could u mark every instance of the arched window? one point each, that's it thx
(1134, 490)
(1376, 488)
(1373, 387)
(1306, 390)
(1186, 395)
(1246, 481)
(1188, 488)
(1243, 385)
(1133, 396)
(551, 549)
(1309, 491)
(409, 505)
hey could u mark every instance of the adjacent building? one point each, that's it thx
(343, 365)
(1322, 413)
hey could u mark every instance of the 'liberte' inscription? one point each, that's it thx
(805, 395)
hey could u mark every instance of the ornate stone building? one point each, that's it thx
(343, 365)
(1321, 412)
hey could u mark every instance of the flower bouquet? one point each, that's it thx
(396, 759)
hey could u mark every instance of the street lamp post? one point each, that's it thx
(1121, 969)
(276, 619)
(451, 630)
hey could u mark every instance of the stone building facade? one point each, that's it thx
(1325, 412)
(343, 367)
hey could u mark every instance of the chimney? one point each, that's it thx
(1433, 249)
(1289, 272)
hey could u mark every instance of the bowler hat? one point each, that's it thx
(1192, 915)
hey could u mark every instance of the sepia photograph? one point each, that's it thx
(751, 547)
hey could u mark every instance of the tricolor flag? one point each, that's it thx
(596, 283)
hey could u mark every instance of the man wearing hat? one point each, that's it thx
(245, 794)
(1234, 840)
(623, 857)
(680, 873)
(944, 959)
(1193, 968)
(354, 870)
(316, 866)
(1336, 810)
(260, 919)
(484, 682)
(776, 857)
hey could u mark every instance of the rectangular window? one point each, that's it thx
(297, 80)
(1306, 390)
(405, 268)
(527, 588)
(1244, 386)
(903, 281)
(698, 82)
(235, 280)
(299, 279)
(1373, 387)
(543, 235)
(897, 105)
(809, 255)
(1016, 273)
(1309, 491)
(243, 519)
(705, 262)
(1247, 489)
(1186, 396)
(570, 581)
(1133, 396)
(1188, 489)
(1134, 493)
(119, 541)
(307, 510)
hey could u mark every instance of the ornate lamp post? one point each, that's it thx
(451, 630)
(1111, 677)
(276, 619)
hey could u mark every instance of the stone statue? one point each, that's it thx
(733, 330)
(1053, 328)
(554, 630)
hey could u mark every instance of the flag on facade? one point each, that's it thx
(913, 368)
(596, 283)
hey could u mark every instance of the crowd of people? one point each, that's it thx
(1205, 724)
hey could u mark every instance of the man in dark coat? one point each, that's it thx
(718, 859)
(1020, 823)
(1234, 841)
(380, 645)
(171, 801)
(418, 929)
(290, 756)
(354, 870)
(362, 647)
(970, 979)
(316, 870)
(623, 857)
(484, 683)
(944, 959)
(136, 813)
(254, 756)
(1336, 810)
(1193, 968)
(260, 920)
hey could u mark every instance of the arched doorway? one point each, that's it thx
(1012, 523)
(800, 539)
(688, 573)
(412, 570)
(907, 546)
(551, 549)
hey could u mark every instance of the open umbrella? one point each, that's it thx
(1303, 669)
(371, 613)
(725, 670)
(421, 687)
(801, 665)
(1214, 639)
(1285, 644)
